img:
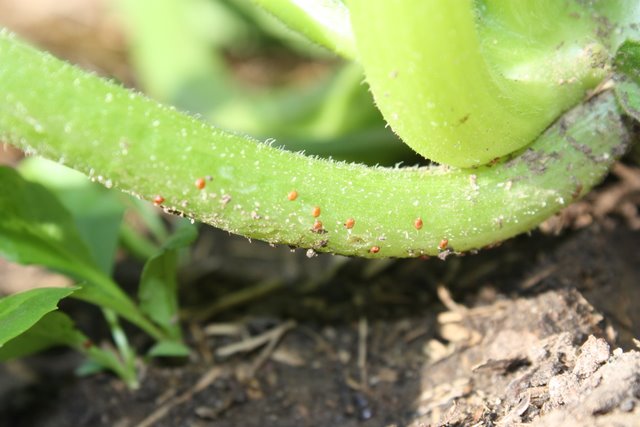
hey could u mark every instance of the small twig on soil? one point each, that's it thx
(353, 384)
(264, 355)
(235, 299)
(445, 297)
(286, 356)
(538, 277)
(205, 381)
(617, 198)
(611, 199)
(200, 339)
(363, 332)
(225, 329)
(482, 311)
(252, 343)
(627, 173)
(321, 342)
(165, 397)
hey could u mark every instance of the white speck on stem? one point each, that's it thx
(473, 180)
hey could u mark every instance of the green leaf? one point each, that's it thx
(158, 287)
(325, 22)
(19, 312)
(57, 328)
(89, 367)
(627, 87)
(169, 349)
(184, 235)
(137, 244)
(96, 211)
(148, 214)
(35, 228)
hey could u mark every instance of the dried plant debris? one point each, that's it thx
(525, 334)
(531, 360)
(618, 197)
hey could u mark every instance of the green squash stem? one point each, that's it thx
(127, 141)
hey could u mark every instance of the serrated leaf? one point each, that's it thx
(19, 312)
(627, 65)
(158, 286)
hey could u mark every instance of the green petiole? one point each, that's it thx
(325, 22)
(48, 108)
(468, 81)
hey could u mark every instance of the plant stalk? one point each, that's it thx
(130, 142)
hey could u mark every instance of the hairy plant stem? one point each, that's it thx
(127, 141)
(467, 81)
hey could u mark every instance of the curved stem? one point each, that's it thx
(325, 22)
(464, 82)
(127, 141)
(127, 353)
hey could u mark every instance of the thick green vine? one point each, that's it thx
(125, 140)
(474, 80)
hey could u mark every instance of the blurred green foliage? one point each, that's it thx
(187, 53)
